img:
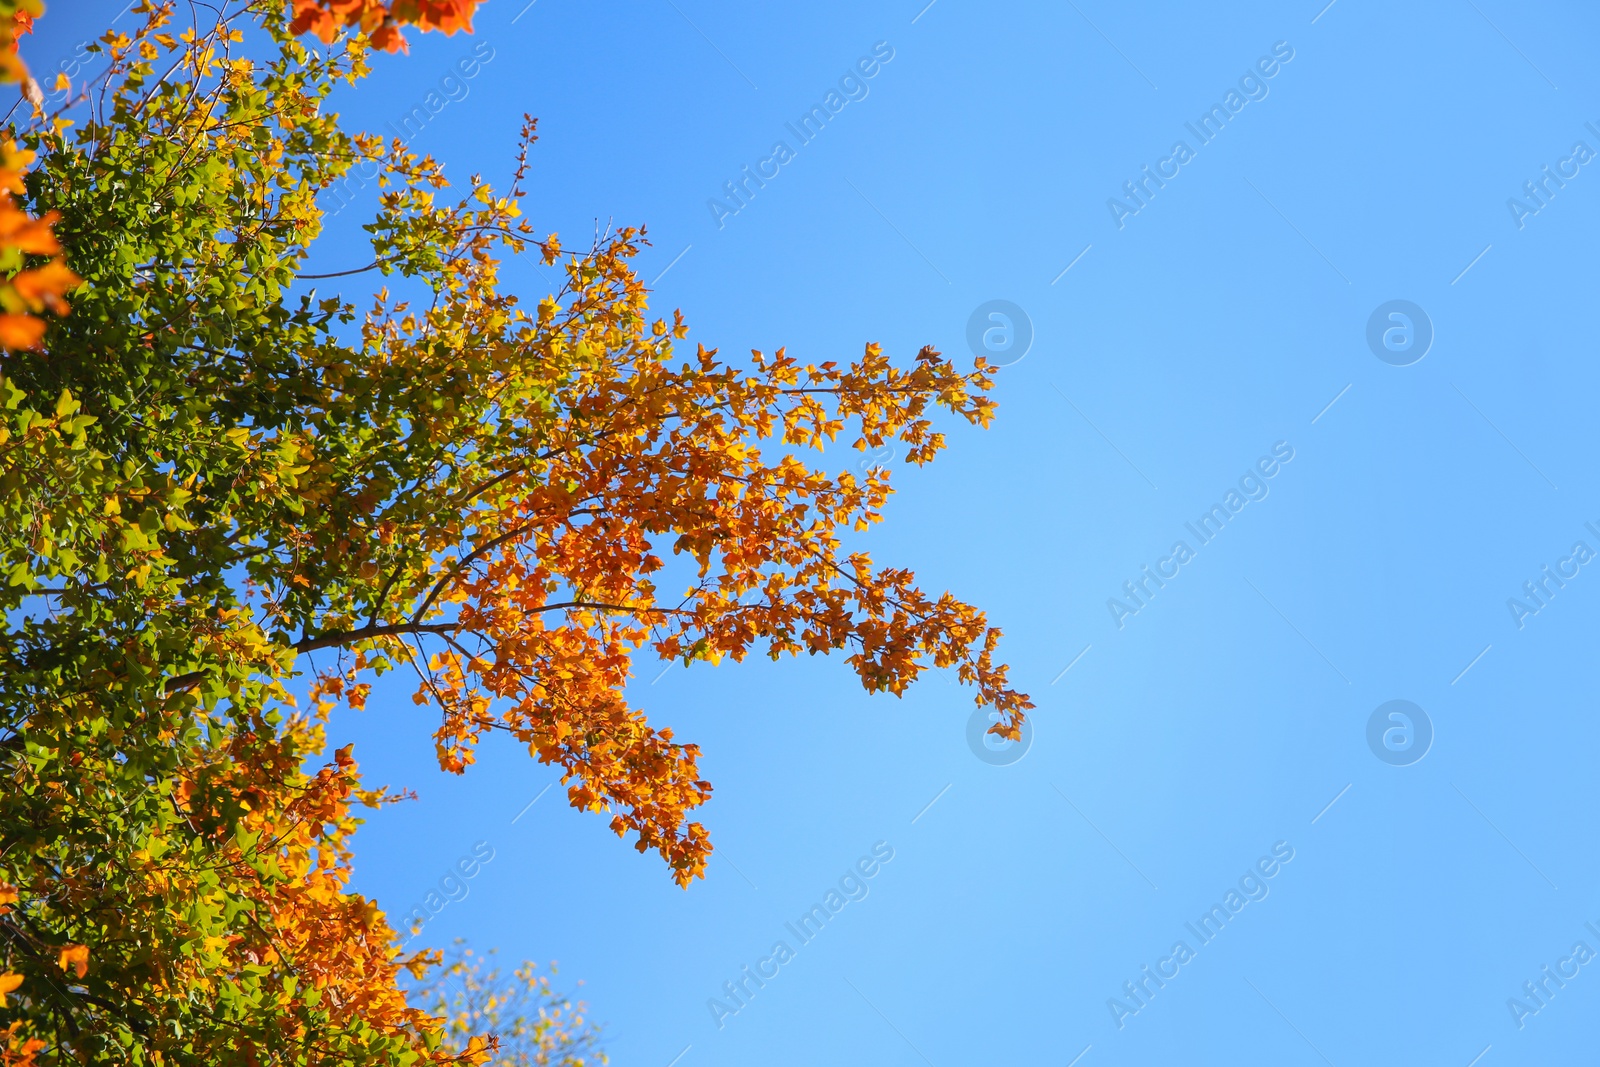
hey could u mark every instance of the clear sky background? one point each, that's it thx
(1231, 713)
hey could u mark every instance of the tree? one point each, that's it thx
(218, 464)
(535, 1025)
(381, 21)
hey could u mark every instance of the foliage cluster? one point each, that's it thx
(218, 464)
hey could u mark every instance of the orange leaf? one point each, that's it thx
(20, 331)
(45, 285)
(75, 957)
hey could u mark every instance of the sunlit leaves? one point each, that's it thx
(528, 1023)
(222, 471)
(381, 19)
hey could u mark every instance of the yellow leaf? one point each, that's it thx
(8, 982)
(75, 957)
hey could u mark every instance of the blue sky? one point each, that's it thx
(1173, 347)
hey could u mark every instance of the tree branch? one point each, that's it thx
(344, 273)
(346, 637)
(466, 561)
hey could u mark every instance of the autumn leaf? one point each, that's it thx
(20, 331)
(76, 958)
(325, 18)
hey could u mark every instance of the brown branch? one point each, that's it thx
(366, 633)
